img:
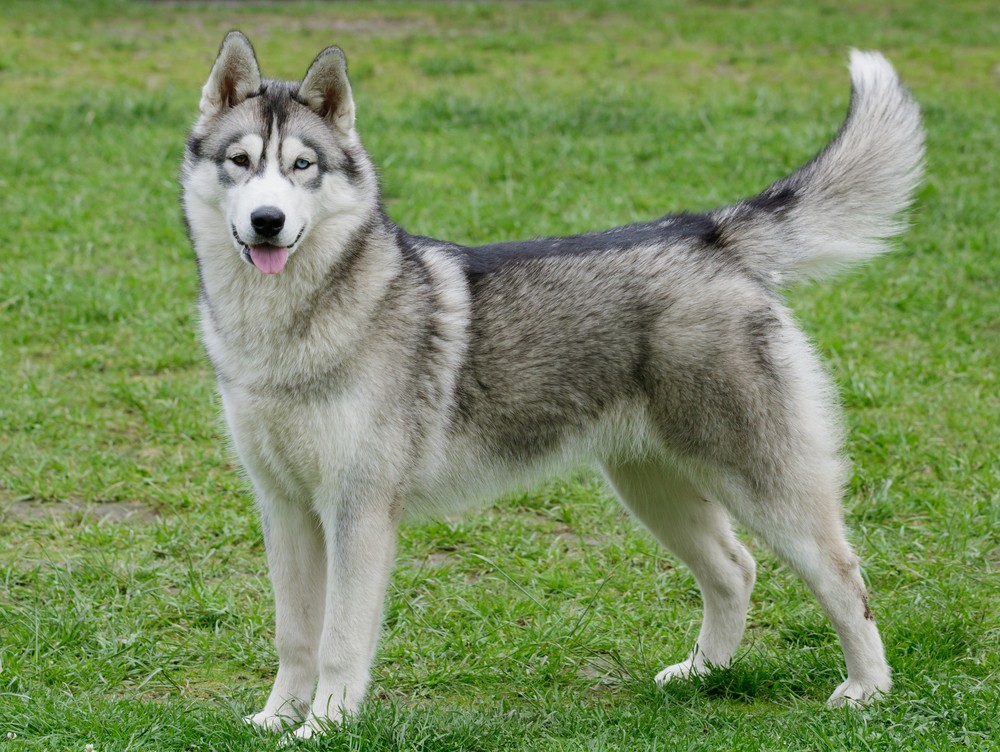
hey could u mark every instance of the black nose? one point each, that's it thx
(268, 220)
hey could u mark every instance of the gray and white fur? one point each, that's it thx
(368, 374)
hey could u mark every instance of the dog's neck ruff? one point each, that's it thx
(258, 325)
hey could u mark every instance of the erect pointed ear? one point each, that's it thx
(326, 90)
(234, 77)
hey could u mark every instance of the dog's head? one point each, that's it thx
(276, 159)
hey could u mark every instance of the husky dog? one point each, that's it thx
(367, 374)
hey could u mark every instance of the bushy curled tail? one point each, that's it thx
(843, 205)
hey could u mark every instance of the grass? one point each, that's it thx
(135, 612)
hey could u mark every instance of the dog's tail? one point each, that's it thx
(843, 205)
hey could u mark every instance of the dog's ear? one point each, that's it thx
(234, 77)
(326, 90)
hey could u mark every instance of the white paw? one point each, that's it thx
(314, 726)
(683, 670)
(307, 731)
(854, 693)
(272, 721)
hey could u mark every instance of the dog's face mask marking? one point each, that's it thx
(265, 213)
(285, 156)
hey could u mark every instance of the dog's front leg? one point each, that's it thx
(360, 537)
(297, 563)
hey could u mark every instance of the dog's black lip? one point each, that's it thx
(245, 249)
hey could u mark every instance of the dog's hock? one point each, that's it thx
(234, 77)
(326, 90)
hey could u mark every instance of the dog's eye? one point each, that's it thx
(241, 160)
(302, 164)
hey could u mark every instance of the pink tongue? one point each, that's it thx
(269, 259)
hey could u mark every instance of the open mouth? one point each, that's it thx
(267, 258)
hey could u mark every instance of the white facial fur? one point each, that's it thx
(273, 186)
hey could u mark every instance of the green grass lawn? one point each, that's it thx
(135, 610)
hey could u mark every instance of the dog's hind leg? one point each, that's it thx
(809, 538)
(699, 533)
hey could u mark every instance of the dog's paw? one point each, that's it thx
(272, 721)
(857, 694)
(313, 726)
(683, 670)
(306, 731)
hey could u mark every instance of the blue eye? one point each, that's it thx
(302, 164)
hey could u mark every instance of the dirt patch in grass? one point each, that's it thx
(110, 512)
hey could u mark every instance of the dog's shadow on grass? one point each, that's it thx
(750, 680)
